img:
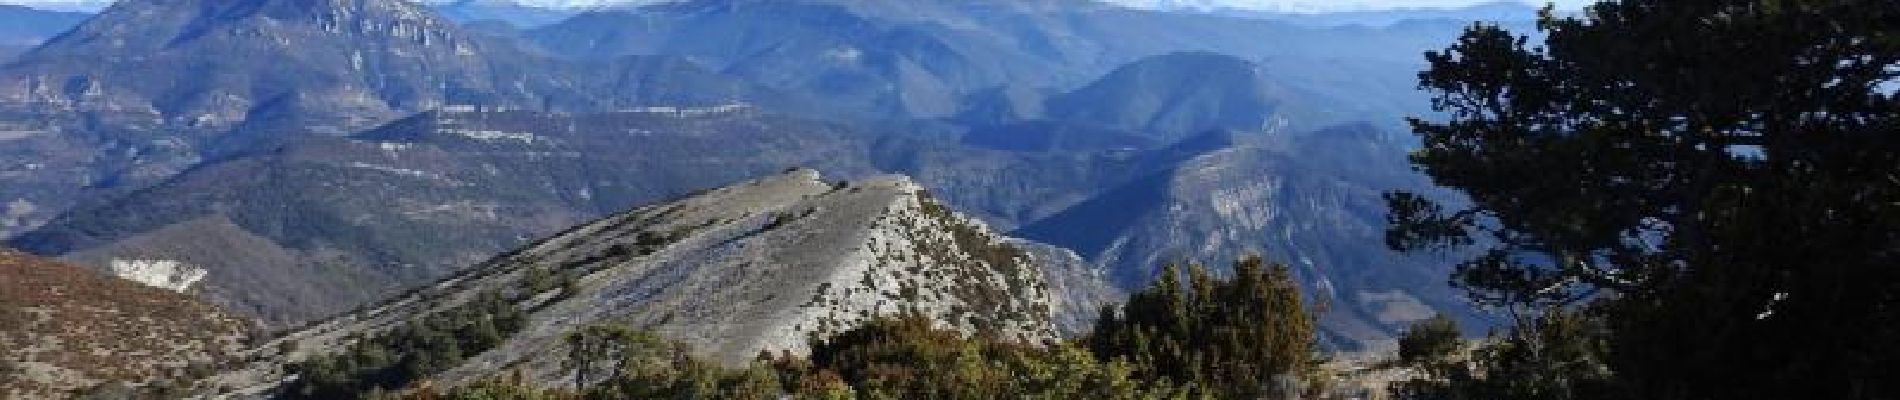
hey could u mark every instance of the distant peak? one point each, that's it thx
(572, 5)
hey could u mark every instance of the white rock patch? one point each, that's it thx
(845, 54)
(9, 135)
(418, 174)
(16, 213)
(682, 112)
(495, 136)
(163, 274)
(393, 147)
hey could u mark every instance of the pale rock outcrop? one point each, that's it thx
(170, 275)
(757, 266)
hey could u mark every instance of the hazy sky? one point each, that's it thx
(1279, 5)
(1339, 5)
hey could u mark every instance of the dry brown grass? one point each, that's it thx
(64, 328)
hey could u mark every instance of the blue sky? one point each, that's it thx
(1339, 5)
(1276, 5)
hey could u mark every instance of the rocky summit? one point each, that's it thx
(758, 266)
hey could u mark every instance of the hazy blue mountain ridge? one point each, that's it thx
(374, 145)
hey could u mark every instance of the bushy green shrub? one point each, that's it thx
(401, 356)
(1246, 337)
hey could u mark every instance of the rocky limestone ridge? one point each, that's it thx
(331, 224)
(757, 266)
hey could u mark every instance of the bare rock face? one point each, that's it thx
(1310, 202)
(762, 265)
(163, 274)
(1078, 289)
(758, 266)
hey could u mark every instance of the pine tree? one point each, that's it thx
(1234, 338)
(1435, 340)
(1722, 176)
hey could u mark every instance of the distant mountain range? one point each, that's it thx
(419, 198)
(313, 156)
(550, 4)
(148, 89)
(95, 5)
(1311, 201)
(586, 4)
(1514, 15)
(922, 60)
(22, 28)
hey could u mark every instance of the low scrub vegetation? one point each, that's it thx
(1190, 335)
(400, 357)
